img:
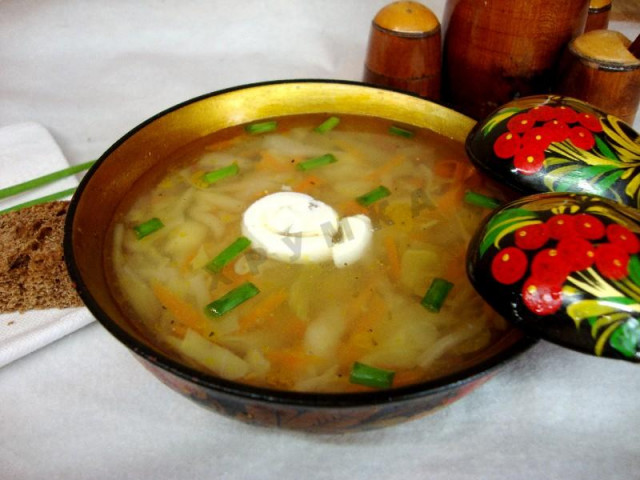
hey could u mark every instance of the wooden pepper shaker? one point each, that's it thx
(598, 17)
(404, 50)
(498, 50)
(603, 68)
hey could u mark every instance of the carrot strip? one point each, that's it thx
(228, 278)
(454, 170)
(457, 267)
(416, 182)
(362, 300)
(474, 180)
(288, 365)
(223, 144)
(393, 257)
(359, 339)
(446, 168)
(351, 207)
(308, 183)
(183, 312)
(186, 263)
(467, 170)
(270, 162)
(451, 199)
(407, 377)
(385, 168)
(259, 313)
(294, 330)
(178, 329)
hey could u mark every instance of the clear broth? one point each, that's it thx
(310, 322)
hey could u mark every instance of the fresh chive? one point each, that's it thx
(436, 294)
(320, 161)
(328, 125)
(228, 254)
(47, 198)
(43, 180)
(371, 376)
(221, 173)
(231, 300)
(148, 227)
(402, 132)
(261, 127)
(480, 200)
(374, 195)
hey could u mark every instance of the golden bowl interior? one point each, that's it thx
(162, 136)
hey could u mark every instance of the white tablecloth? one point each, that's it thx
(83, 408)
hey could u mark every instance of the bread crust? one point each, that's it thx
(33, 274)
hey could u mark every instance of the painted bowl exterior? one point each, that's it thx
(332, 416)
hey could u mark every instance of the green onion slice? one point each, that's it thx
(436, 294)
(328, 125)
(480, 200)
(146, 228)
(231, 300)
(47, 198)
(221, 173)
(371, 376)
(261, 127)
(401, 132)
(228, 254)
(43, 180)
(320, 161)
(374, 195)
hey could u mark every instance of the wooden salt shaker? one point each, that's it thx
(404, 50)
(498, 50)
(603, 69)
(598, 16)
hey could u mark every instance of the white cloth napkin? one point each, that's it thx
(27, 151)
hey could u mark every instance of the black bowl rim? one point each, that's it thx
(249, 392)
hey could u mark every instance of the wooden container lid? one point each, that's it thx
(609, 49)
(599, 5)
(405, 17)
(404, 49)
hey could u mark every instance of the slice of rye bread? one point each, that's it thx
(33, 274)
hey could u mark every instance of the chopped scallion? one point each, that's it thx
(228, 254)
(47, 198)
(436, 294)
(221, 173)
(45, 179)
(480, 200)
(261, 127)
(371, 376)
(328, 125)
(402, 132)
(374, 195)
(231, 300)
(146, 228)
(316, 162)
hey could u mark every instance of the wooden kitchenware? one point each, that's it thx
(404, 50)
(601, 69)
(498, 50)
(598, 17)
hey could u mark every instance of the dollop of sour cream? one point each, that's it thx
(296, 228)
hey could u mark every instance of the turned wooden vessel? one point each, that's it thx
(602, 70)
(404, 50)
(598, 16)
(498, 50)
